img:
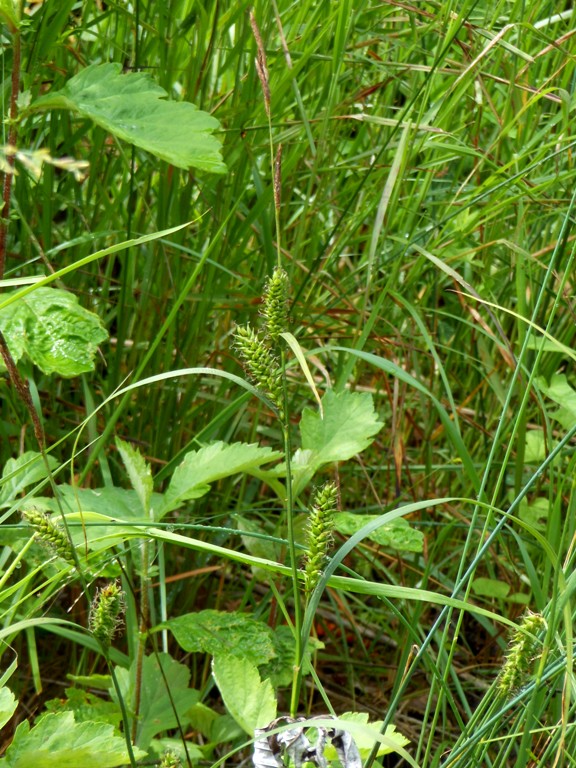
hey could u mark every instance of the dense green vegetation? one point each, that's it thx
(174, 438)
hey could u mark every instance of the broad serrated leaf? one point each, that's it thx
(347, 428)
(250, 701)
(138, 471)
(280, 670)
(165, 695)
(115, 504)
(398, 534)
(193, 476)
(221, 633)
(19, 473)
(53, 331)
(58, 741)
(134, 108)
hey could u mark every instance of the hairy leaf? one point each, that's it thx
(134, 108)
(58, 741)
(86, 706)
(53, 331)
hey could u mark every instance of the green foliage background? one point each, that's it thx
(427, 193)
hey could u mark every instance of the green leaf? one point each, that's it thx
(134, 108)
(19, 473)
(280, 670)
(250, 701)
(535, 512)
(193, 476)
(86, 706)
(560, 391)
(184, 752)
(490, 587)
(366, 734)
(221, 633)
(58, 741)
(10, 12)
(535, 447)
(138, 471)
(53, 330)
(397, 534)
(347, 427)
(165, 695)
(8, 705)
(114, 504)
(93, 514)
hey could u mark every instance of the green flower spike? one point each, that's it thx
(170, 760)
(49, 534)
(319, 534)
(261, 364)
(275, 311)
(105, 613)
(522, 652)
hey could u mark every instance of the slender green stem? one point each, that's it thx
(293, 553)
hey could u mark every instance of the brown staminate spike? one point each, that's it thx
(261, 67)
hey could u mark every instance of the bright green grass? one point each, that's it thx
(427, 199)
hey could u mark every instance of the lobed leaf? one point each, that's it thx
(193, 476)
(58, 741)
(346, 426)
(134, 108)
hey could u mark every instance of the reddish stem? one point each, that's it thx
(12, 138)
